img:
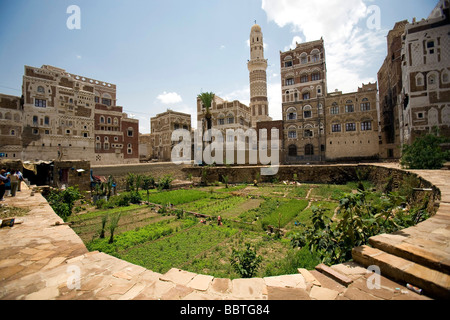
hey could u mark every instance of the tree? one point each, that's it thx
(425, 153)
(131, 177)
(148, 182)
(114, 223)
(104, 220)
(207, 99)
(245, 262)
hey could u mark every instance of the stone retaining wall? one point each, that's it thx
(157, 170)
(384, 178)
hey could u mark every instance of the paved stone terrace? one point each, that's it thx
(41, 260)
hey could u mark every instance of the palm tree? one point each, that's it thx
(207, 99)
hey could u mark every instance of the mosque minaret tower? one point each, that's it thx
(257, 67)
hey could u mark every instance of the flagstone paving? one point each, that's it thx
(41, 260)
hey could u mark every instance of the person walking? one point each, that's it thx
(14, 183)
(20, 175)
(7, 182)
(3, 180)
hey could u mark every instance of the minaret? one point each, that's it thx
(257, 67)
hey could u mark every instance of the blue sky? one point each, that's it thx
(162, 53)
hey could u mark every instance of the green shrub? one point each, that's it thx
(425, 153)
(62, 201)
(358, 221)
(245, 262)
(165, 183)
(100, 204)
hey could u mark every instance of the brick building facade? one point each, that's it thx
(60, 119)
(390, 82)
(426, 75)
(159, 142)
(303, 89)
(352, 124)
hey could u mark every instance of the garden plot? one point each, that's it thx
(172, 237)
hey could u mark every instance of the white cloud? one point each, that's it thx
(169, 98)
(293, 45)
(349, 48)
(222, 47)
(79, 57)
(242, 95)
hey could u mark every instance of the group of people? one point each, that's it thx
(10, 181)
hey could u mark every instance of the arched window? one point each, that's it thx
(221, 120)
(307, 112)
(419, 79)
(102, 119)
(365, 105)
(304, 58)
(432, 79)
(445, 78)
(349, 107)
(292, 133)
(315, 76)
(291, 114)
(109, 120)
(231, 118)
(309, 150)
(306, 95)
(292, 150)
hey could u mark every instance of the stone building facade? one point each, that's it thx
(11, 127)
(61, 116)
(426, 75)
(390, 82)
(303, 89)
(159, 143)
(352, 124)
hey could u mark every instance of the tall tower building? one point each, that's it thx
(304, 89)
(257, 67)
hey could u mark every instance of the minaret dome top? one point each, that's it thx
(256, 28)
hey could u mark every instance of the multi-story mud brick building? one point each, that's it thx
(303, 90)
(426, 75)
(159, 142)
(62, 116)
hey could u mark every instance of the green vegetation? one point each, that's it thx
(425, 153)
(246, 262)
(358, 219)
(268, 229)
(63, 201)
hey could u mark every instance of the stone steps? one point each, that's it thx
(433, 282)
(414, 250)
